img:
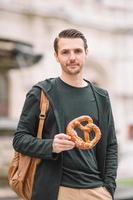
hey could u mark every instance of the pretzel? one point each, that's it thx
(90, 126)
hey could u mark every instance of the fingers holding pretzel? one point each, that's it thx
(87, 143)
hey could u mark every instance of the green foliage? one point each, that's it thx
(125, 182)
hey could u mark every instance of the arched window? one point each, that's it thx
(3, 95)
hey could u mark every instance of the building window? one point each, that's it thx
(3, 95)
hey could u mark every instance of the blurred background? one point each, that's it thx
(27, 31)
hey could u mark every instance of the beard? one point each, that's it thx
(72, 69)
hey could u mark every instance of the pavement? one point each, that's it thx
(7, 194)
(124, 193)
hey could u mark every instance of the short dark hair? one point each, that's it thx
(69, 33)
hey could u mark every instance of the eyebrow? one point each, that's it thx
(78, 48)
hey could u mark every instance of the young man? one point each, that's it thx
(66, 172)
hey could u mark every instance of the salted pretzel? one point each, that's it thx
(90, 126)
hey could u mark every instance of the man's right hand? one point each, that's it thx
(62, 142)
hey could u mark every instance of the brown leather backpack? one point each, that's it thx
(22, 168)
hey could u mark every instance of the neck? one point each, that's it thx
(76, 81)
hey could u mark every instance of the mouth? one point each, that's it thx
(72, 65)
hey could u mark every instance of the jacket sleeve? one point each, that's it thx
(111, 162)
(25, 140)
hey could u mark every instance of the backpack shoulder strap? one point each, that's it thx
(44, 104)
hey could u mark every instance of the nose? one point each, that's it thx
(72, 56)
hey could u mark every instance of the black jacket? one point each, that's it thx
(49, 171)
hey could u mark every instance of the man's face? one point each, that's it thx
(71, 55)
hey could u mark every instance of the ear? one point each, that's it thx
(56, 56)
(86, 51)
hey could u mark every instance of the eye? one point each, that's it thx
(64, 52)
(78, 51)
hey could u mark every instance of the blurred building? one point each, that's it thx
(108, 27)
